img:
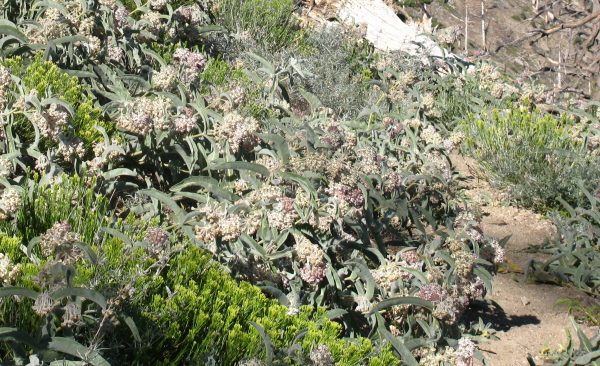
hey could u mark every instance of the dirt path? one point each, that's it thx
(523, 314)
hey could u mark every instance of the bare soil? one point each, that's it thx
(522, 313)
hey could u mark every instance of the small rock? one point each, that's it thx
(525, 301)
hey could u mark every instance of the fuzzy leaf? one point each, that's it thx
(336, 313)
(69, 39)
(365, 275)
(18, 291)
(155, 56)
(134, 329)
(165, 199)
(86, 293)
(280, 144)
(61, 102)
(14, 32)
(242, 165)
(76, 349)
(211, 184)
(587, 359)
(14, 334)
(267, 65)
(408, 300)
(267, 341)
(91, 255)
(276, 293)
(399, 346)
(111, 174)
(118, 234)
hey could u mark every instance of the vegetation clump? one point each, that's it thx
(190, 183)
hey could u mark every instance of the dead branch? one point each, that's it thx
(576, 24)
(589, 41)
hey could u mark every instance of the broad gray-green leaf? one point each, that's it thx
(155, 56)
(399, 346)
(61, 102)
(276, 293)
(210, 184)
(408, 300)
(243, 165)
(210, 29)
(267, 341)
(165, 199)
(111, 174)
(335, 313)
(32, 244)
(80, 73)
(311, 99)
(118, 234)
(86, 293)
(302, 181)
(280, 144)
(76, 349)
(266, 64)
(587, 359)
(366, 276)
(14, 32)
(91, 255)
(133, 327)
(69, 39)
(18, 291)
(14, 334)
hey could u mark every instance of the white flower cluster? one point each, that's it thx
(144, 114)
(72, 315)
(431, 136)
(192, 15)
(185, 122)
(72, 148)
(407, 78)
(166, 79)
(50, 27)
(158, 240)
(59, 238)
(388, 273)
(307, 252)
(120, 17)
(466, 352)
(159, 4)
(191, 62)
(368, 161)
(6, 168)
(151, 22)
(493, 252)
(238, 131)
(8, 271)
(5, 81)
(428, 102)
(115, 53)
(44, 304)
(321, 356)
(433, 357)
(217, 223)
(283, 215)
(51, 121)
(10, 202)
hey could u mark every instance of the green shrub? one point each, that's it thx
(532, 155)
(209, 316)
(72, 199)
(575, 258)
(268, 23)
(46, 80)
(588, 352)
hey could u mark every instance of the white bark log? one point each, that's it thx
(384, 29)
